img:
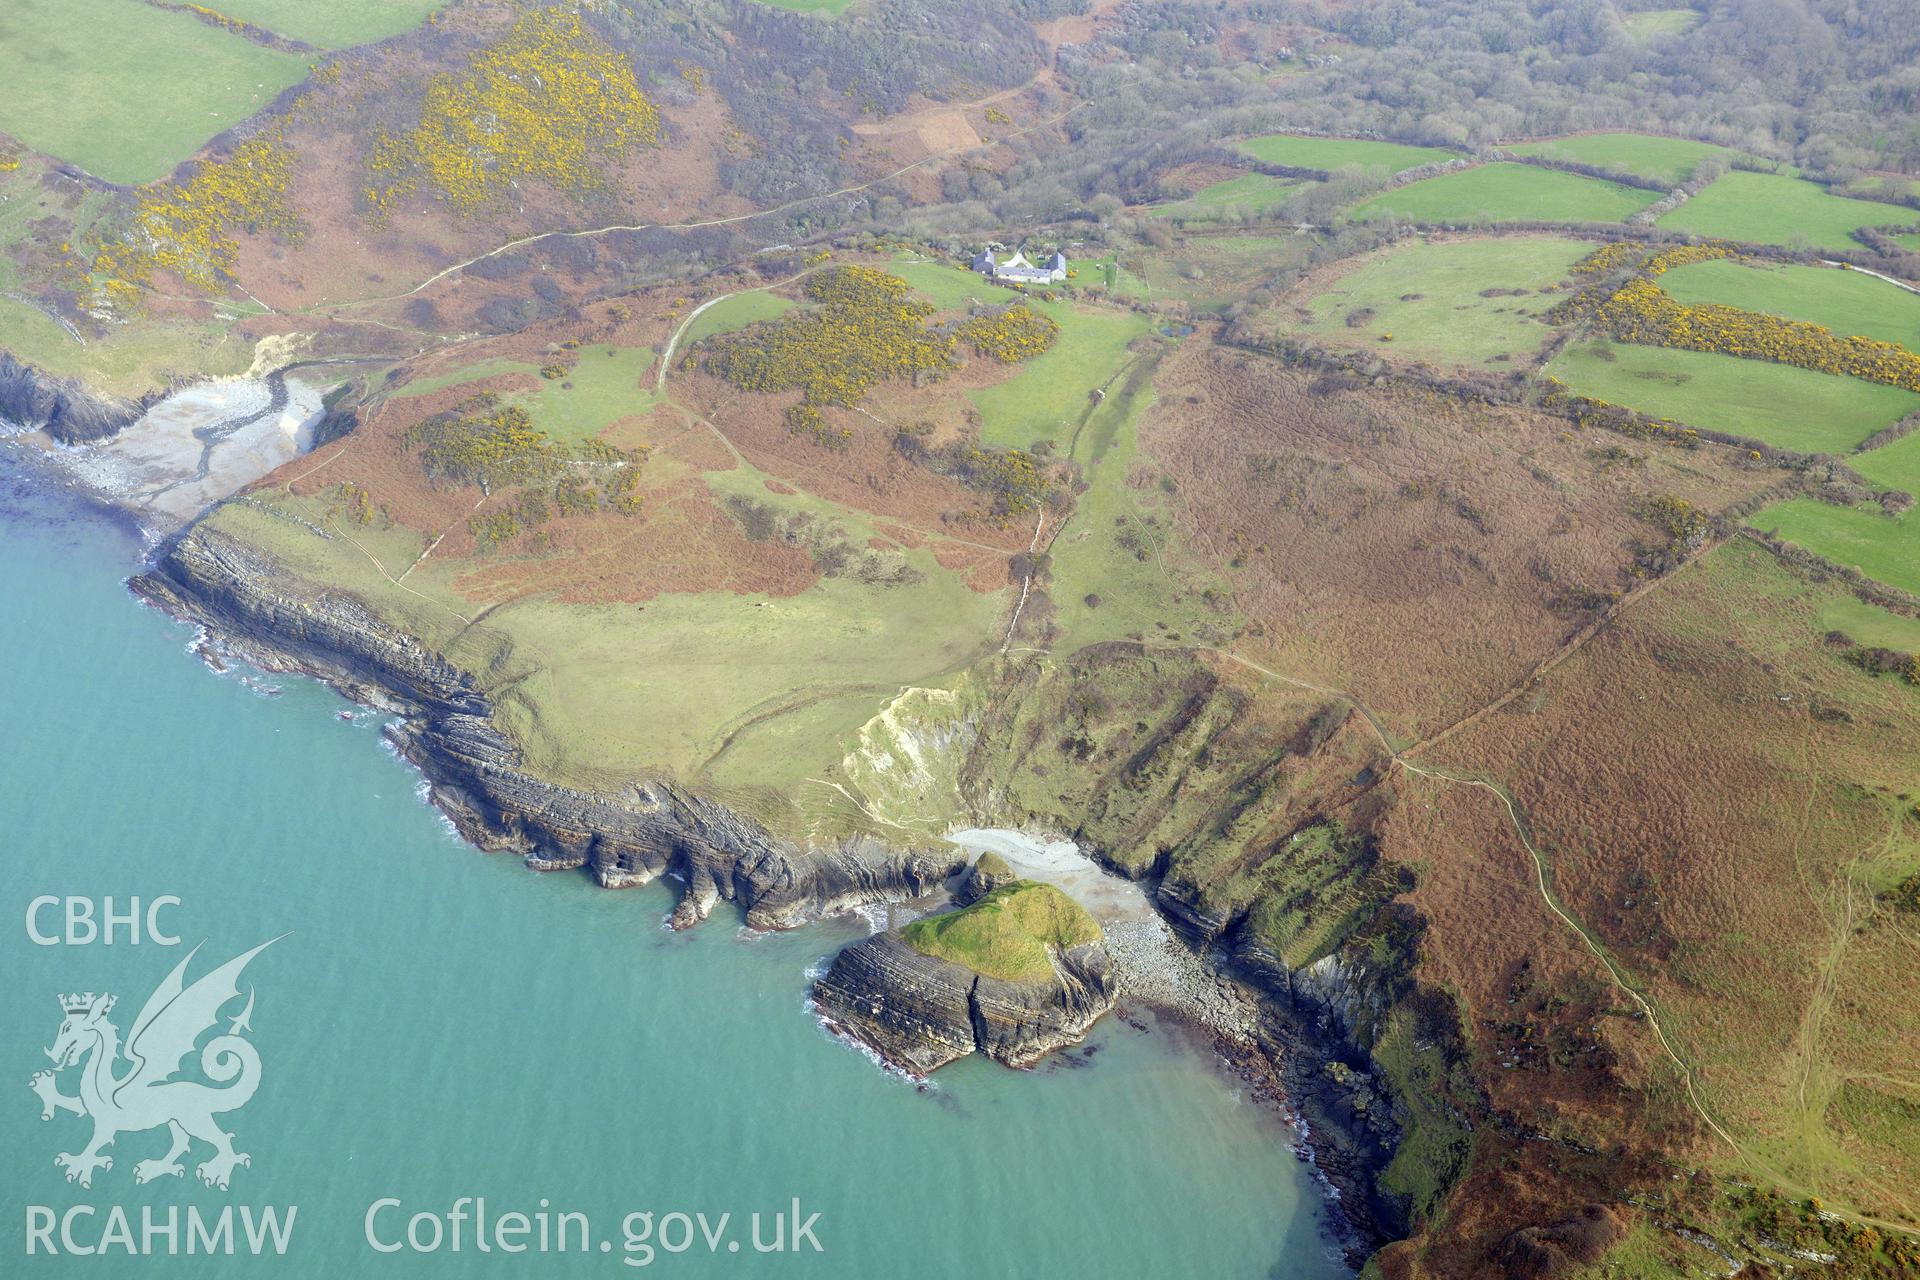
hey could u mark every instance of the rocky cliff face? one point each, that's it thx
(920, 1012)
(989, 872)
(651, 829)
(62, 407)
(917, 1011)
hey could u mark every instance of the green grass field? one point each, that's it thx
(1118, 571)
(127, 91)
(1009, 934)
(1049, 395)
(1661, 22)
(1847, 302)
(736, 311)
(142, 356)
(1208, 272)
(1886, 187)
(1340, 153)
(334, 24)
(1870, 625)
(1893, 466)
(1778, 404)
(1428, 296)
(950, 286)
(1885, 548)
(1508, 192)
(607, 384)
(1254, 193)
(465, 373)
(1644, 155)
(595, 694)
(1765, 208)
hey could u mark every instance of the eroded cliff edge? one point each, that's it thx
(1323, 1021)
(654, 828)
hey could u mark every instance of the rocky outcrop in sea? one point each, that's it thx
(920, 1012)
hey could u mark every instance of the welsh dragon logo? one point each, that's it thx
(143, 1094)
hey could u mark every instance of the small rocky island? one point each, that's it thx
(1018, 973)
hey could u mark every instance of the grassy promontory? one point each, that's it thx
(1006, 934)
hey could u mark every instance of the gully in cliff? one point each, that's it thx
(1021, 972)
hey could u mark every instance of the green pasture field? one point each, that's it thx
(1340, 153)
(141, 357)
(735, 311)
(464, 374)
(127, 91)
(608, 688)
(1775, 403)
(1892, 466)
(1766, 208)
(1508, 192)
(1870, 625)
(1847, 302)
(1050, 393)
(1255, 193)
(1208, 272)
(693, 683)
(1118, 569)
(607, 384)
(1128, 278)
(1428, 295)
(332, 24)
(1888, 187)
(950, 286)
(1885, 548)
(1644, 155)
(1661, 22)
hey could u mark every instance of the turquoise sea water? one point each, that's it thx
(439, 1023)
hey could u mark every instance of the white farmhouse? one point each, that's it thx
(1017, 270)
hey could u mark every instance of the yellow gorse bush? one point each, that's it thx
(550, 102)
(1643, 312)
(1012, 476)
(483, 442)
(1014, 334)
(1609, 258)
(867, 328)
(1686, 254)
(187, 227)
